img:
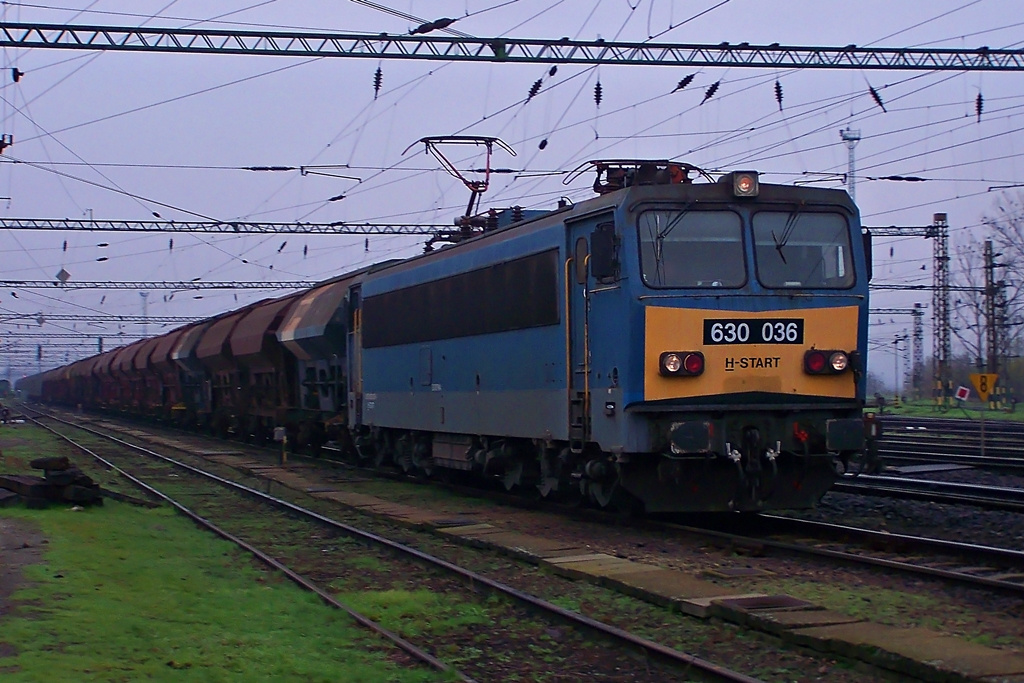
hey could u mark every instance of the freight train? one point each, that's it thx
(667, 344)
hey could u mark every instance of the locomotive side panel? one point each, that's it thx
(477, 352)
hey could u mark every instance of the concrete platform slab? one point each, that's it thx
(780, 621)
(703, 608)
(589, 557)
(596, 568)
(915, 651)
(735, 572)
(768, 602)
(518, 543)
(355, 499)
(467, 530)
(453, 522)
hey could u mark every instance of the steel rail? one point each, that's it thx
(655, 651)
(400, 642)
(501, 49)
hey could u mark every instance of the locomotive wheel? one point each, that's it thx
(602, 494)
(382, 453)
(403, 453)
(421, 460)
(513, 476)
(554, 478)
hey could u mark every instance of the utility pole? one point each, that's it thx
(918, 357)
(994, 298)
(941, 343)
(897, 385)
(851, 138)
(145, 313)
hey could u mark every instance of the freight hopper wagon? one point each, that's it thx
(688, 346)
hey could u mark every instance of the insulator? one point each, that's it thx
(598, 93)
(432, 26)
(534, 89)
(877, 98)
(283, 245)
(378, 80)
(170, 244)
(778, 94)
(543, 144)
(685, 82)
(16, 74)
(710, 92)
(65, 245)
(553, 70)
(979, 106)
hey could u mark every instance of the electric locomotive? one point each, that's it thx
(670, 344)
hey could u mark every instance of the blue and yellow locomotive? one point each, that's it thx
(685, 346)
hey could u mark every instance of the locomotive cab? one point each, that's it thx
(746, 306)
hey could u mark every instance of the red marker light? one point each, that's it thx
(694, 364)
(814, 361)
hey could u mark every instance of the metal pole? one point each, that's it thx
(896, 369)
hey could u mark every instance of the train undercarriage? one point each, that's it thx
(749, 474)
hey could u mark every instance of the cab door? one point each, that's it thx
(577, 341)
(591, 243)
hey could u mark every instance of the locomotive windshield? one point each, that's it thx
(806, 250)
(682, 248)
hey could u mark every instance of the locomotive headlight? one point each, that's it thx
(818, 362)
(671, 363)
(745, 184)
(681, 363)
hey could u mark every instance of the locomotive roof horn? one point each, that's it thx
(615, 174)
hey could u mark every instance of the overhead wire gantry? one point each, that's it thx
(231, 227)
(500, 49)
(179, 285)
(938, 232)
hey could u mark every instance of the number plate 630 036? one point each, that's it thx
(754, 331)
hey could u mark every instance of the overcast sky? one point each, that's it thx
(126, 135)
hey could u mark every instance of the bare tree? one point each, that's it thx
(1006, 227)
(968, 310)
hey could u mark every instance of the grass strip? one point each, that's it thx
(126, 594)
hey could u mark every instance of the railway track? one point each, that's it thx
(213, 487)
(958, 441)
(960, 563)
(931, 557)
(955, 493)
(966, 564)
